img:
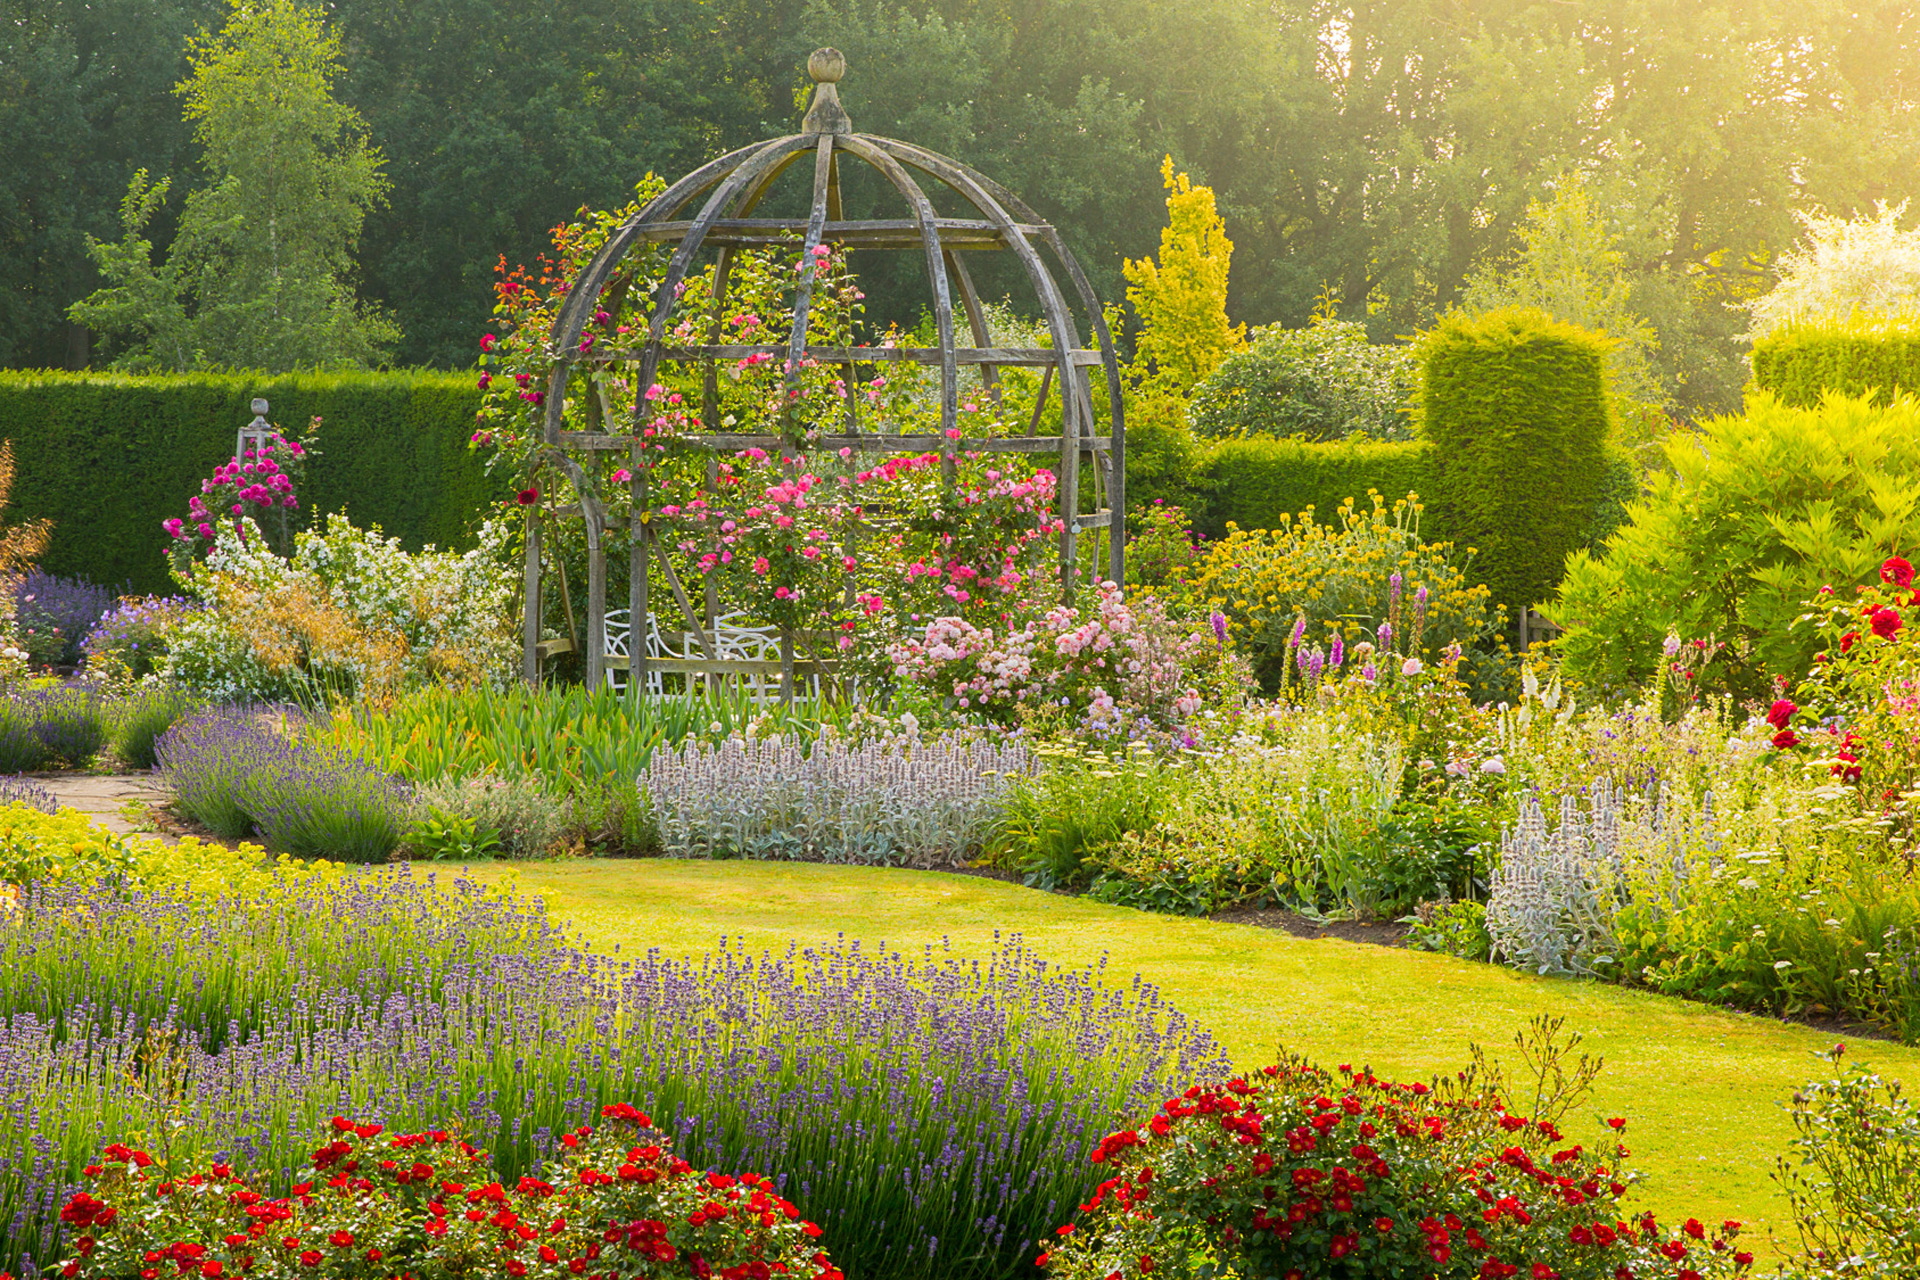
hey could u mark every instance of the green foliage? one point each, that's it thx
(439, 836)
(1569, 263)
(1748, 520)
(1162, 454)
(1324, 382)
(1057, 820)
(1857, 356)
(1453, 928)
(1515, 405)
(1850, 1180)
(110, 456)
(258, 273)
(140, 719)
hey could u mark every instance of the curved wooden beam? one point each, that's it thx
(866, 148)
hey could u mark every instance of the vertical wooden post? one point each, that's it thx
(638, 620)
(1069, 492)
(786, 667)
(530, 622)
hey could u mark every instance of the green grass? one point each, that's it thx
(1701, 1087)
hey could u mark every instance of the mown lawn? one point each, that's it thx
(1701, 1088)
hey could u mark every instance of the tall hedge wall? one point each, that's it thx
(1257, 482)
(1516, 409)
(108, 457)
(1856, 357)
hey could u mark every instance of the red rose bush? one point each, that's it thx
(616, 1205)
(1297, 1172)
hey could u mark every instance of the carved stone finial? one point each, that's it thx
(826, 115)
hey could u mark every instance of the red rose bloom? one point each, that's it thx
(1780, 712)
(1896, 572)
(1786, 738)
(1886, 623)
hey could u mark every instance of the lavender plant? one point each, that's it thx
(142, 716)
(314, 803)
(70, 723)
(205, 761)
(932, 1112)
(890, 800)
(54, 614)
(18, 790)
(21, 750)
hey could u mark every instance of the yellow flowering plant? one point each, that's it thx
(1365, 579)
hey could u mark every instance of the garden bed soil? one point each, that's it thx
(1376, 933)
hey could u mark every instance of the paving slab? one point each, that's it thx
(102, 797)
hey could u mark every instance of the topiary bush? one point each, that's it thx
(1748, 520)
(1258, 483)
(1856, 357)
(1516, 408)
(1326, 382)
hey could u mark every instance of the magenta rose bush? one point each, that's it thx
(243, 489)
(616, 1202)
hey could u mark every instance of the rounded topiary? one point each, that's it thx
(1517, 409)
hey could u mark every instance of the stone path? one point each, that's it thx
(101, 797)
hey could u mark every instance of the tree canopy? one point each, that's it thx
(1379, 151)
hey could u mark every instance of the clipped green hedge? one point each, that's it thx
(1256, 482)
(108, 457)
(1854, 357)
(1515, 407)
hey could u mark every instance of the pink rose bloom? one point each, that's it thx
(760, 565)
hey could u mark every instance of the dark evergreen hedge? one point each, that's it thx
(108, 457)
(1855, 357)
(1516, 411)
(1257, 482)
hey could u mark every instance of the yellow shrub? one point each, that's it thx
(67, 846)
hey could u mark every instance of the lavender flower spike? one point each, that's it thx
(1218, 621)
(1386, 635)
(1315, 665)
(1393, 588)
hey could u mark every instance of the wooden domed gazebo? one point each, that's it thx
(1091, 436)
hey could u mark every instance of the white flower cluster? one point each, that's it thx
(428, 614)
(891, 800)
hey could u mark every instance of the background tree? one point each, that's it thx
(1385, 149)
(1869, 266)
(1569, 264)
(259, 273)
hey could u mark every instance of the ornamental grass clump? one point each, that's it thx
(892, 800)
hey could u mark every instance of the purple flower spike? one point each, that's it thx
(1218, 621)
(1314, 666)
(1386, 634)
(1338, 653)
(1393, 588)
(1299, 630)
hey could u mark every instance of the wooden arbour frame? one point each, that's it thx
(737, 182)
